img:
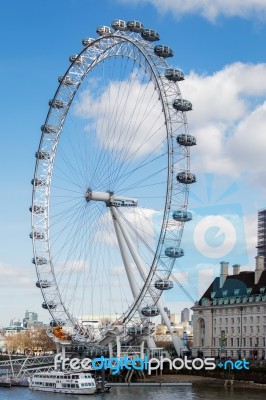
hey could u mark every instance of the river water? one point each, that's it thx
(143, 392)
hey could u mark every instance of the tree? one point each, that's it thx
(33, 340)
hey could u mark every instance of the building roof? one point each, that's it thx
(244, 282)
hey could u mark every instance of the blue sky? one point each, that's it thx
(221, 51)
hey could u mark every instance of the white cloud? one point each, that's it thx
(251, 227)
(140, 219)
(131, 128)
(209, 9)
(206, 277)
(229, 120)
(181, 277)
(12, 276)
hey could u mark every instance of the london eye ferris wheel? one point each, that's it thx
(111, 182)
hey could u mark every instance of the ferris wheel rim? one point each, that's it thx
(134, 42)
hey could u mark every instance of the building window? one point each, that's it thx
(245, 320)
(232, 320)
(238, 342)
(250, 342)
(226, 321)
(244, 342)
(258, 319)
(245, 329)
(232, 342)
(251, 320)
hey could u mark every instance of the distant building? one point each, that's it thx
(230, 318)
(262, 234)
(185, 315)
(12, 330)
(31, 320)
(15, 323)
(168, 314)
(174, 320)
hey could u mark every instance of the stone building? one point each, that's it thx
(230, 318)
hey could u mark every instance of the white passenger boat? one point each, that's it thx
(63, 382)
(5, 381)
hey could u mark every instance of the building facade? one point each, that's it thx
(230, 318)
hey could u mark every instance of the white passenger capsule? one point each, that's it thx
(49, 128)
(42, 155)
(119, 25)
(186, 140)
(134, 331)
(37, 235)
(174, 252)
(135, 26)
(163, 51)
(44, 284)
(150, 35)
(182, 105)
(66, 80)
(56, 103)
(175, 75)
(39, 261)
(36, 209)
(38, 182)
(150, 311)
(163, 284)
(186, 177)
(182, 216)
(103, 30)
(49, 304)
(75, 58)
(87, 41)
